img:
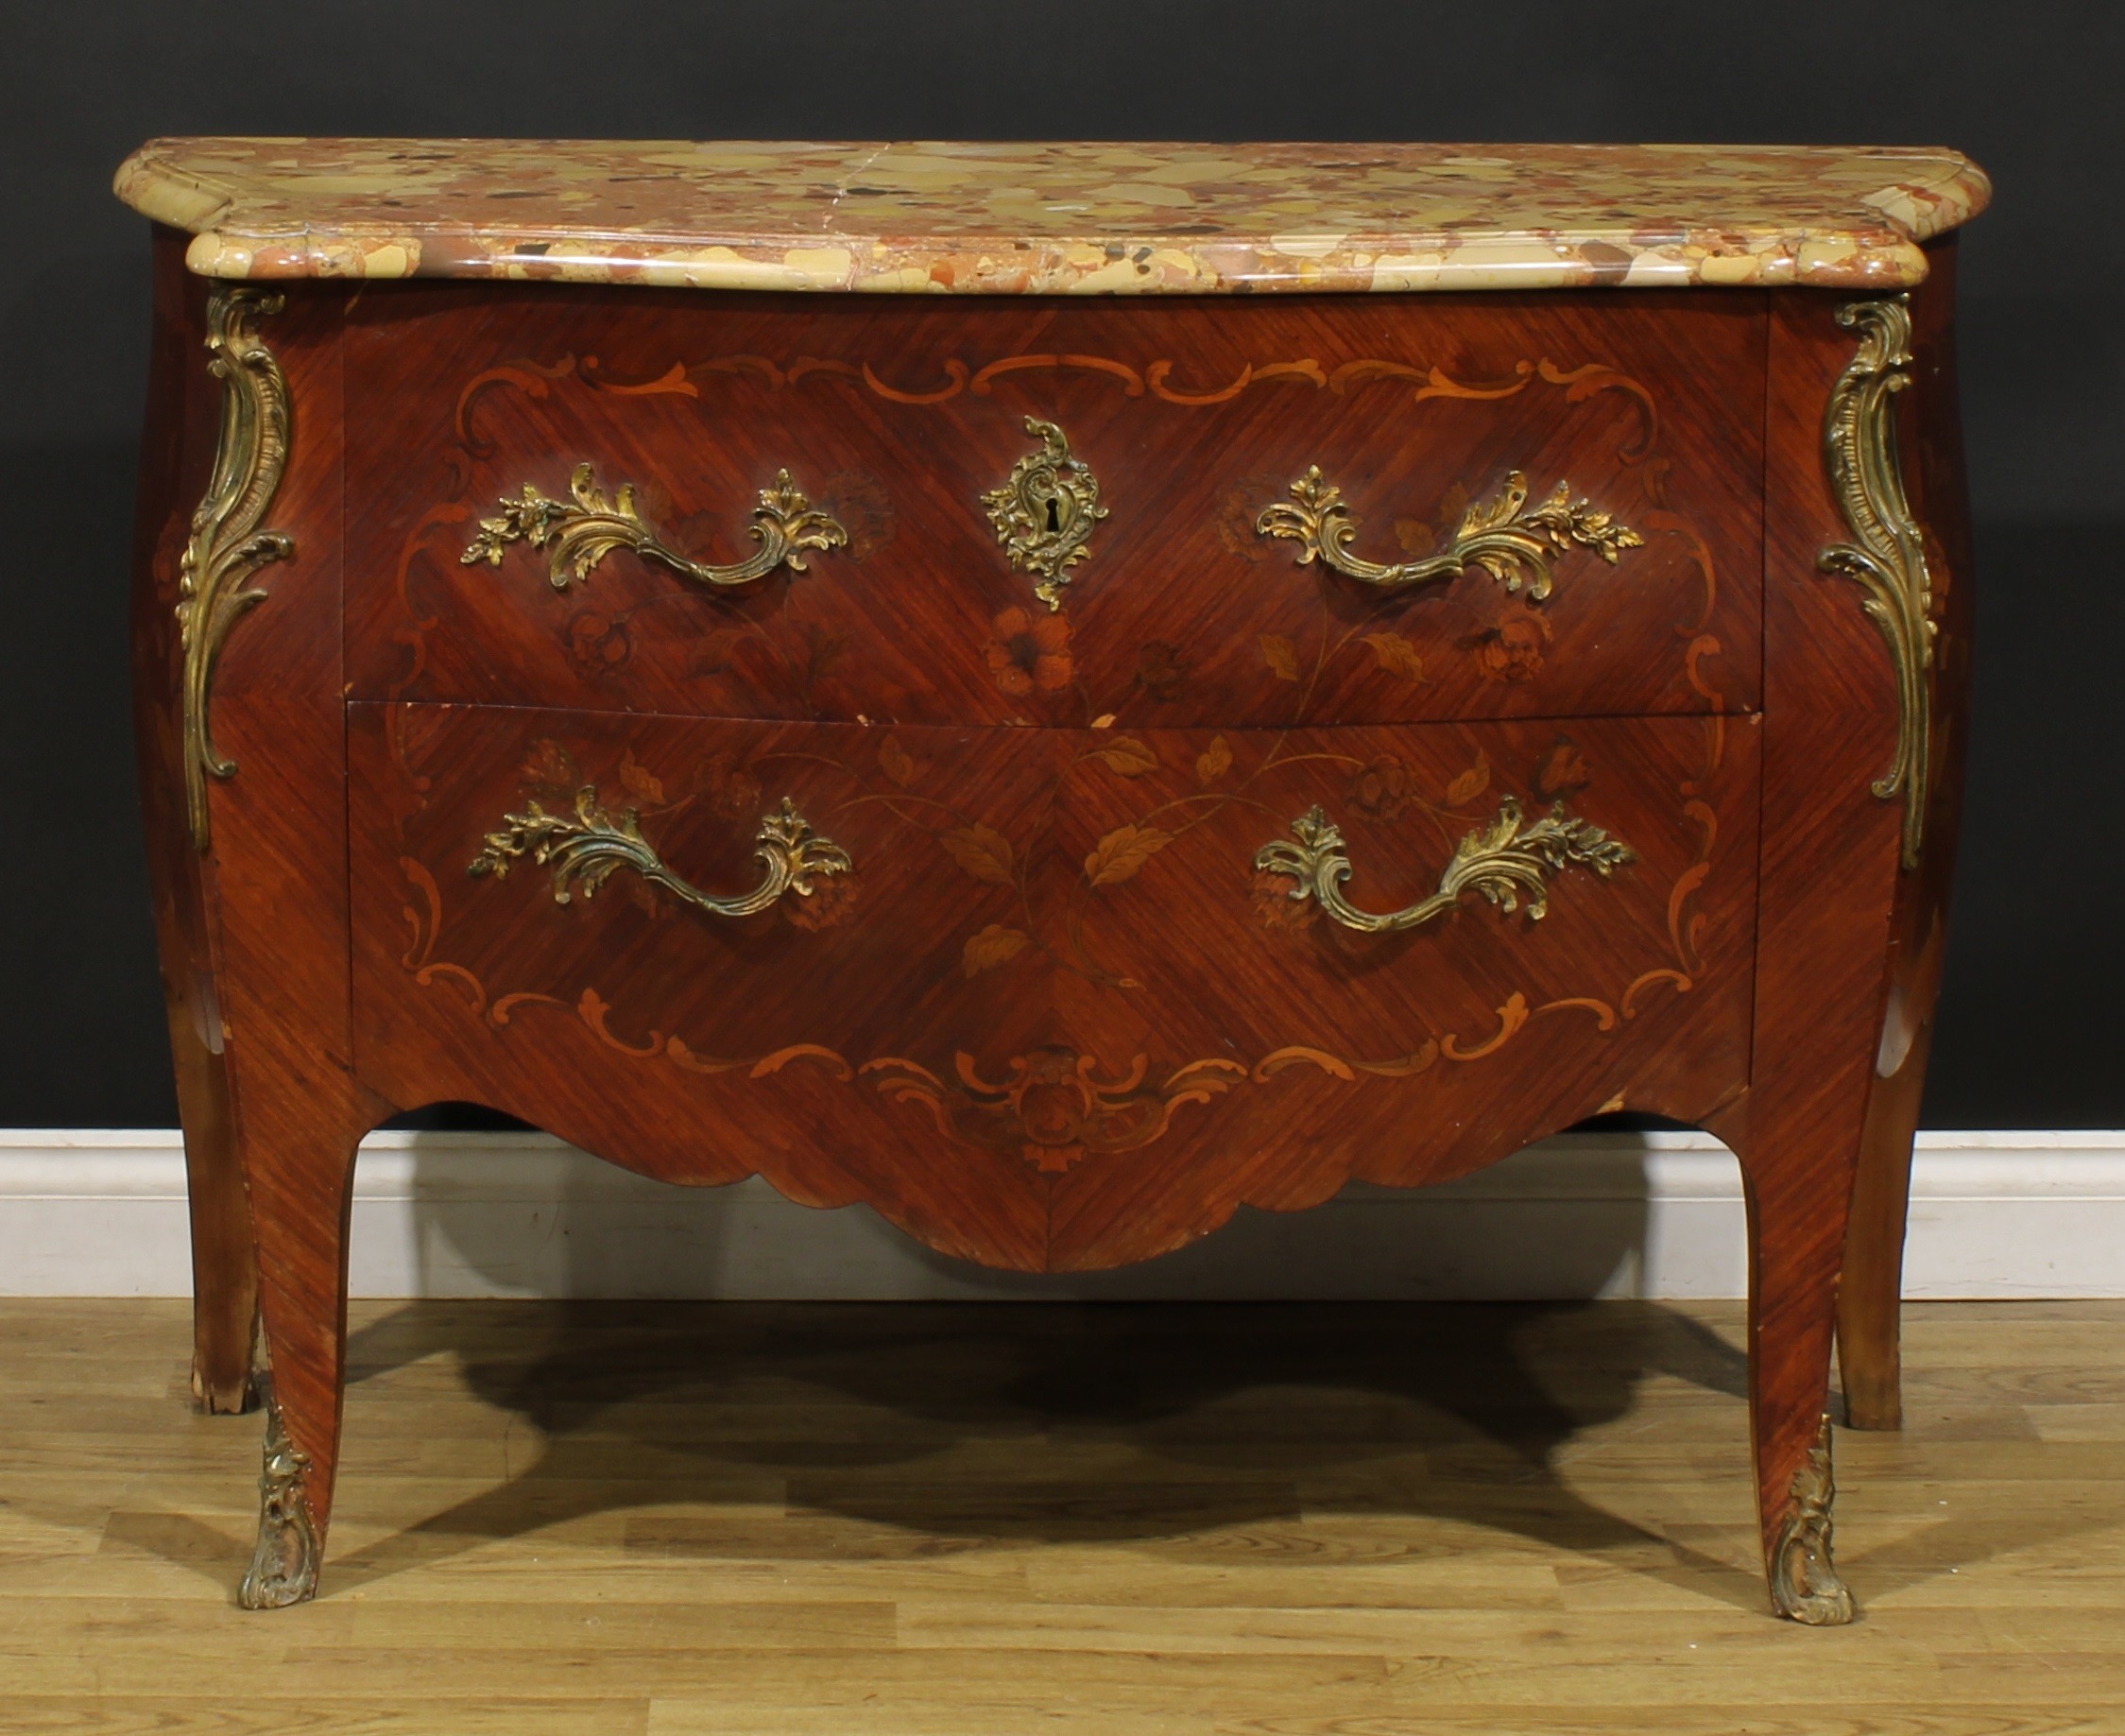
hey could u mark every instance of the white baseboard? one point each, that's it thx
(2016, 1215)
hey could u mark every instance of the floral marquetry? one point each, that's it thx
(1055, 775)
(1178, 609)
(1029, 652)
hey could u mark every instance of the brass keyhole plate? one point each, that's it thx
(1044, 512)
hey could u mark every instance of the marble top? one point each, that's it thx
(1056, 218)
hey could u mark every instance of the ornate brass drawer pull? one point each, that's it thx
(1514, 543)
(581, 531)
(1504, 861)
(1045, 510)
(585, 851)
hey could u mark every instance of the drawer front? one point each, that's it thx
(1053, 998)
(1360, 509)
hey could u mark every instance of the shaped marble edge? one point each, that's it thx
(1078, 218)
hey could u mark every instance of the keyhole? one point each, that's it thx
(1055, 516)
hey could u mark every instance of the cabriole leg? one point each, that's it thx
(1793, 1257)
(224, 1267)
(301, 1194)
(1870, 1303)
(1870, 1300)
(173, 464)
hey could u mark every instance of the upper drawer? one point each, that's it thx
(1566, 490)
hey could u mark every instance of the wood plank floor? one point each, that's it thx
(933, 1521)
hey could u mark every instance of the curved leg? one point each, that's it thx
(302, 1195)
(253, 906)
(224, 1267)
(1870, 1305)
(224, 1274)
(1832, 891)
(1795, 1249)
(1869, 1301)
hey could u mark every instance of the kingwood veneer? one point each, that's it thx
(1343, 662)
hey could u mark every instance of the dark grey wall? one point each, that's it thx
(2035, 1022)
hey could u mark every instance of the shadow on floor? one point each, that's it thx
(928, 1428)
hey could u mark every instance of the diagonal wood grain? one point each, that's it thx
(1650, 406)
(1053, 1021)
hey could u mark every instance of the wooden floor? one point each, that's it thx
(1279, 1521)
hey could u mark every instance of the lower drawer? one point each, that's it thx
(1050, 999)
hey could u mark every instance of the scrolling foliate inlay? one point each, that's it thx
(1505, 861)
(1887, 554)
(1057, 1106)
(579, 532)
(1514, 543)
(584, 851)
(226, 545)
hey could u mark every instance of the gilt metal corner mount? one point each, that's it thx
(1887, 554)
(226, 543)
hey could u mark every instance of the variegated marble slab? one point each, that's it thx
(1056, 218)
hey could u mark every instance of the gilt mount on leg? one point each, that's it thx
(1805, 1586)
(283, 1567)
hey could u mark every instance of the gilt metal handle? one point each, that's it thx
(1514, 543)
(579, 532)
(1505, 861)
(584, 851)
